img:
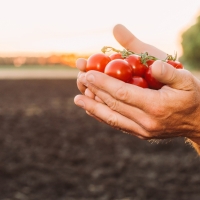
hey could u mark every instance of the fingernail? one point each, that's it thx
(80, 103)
(90, 78)
(163, 69)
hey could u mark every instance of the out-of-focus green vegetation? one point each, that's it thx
(191, 46)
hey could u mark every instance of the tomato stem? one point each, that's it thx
(145, 57)
(170, 57)
(108, 49)
(125, 53)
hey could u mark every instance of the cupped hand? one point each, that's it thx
(172, 111)
(129, 41)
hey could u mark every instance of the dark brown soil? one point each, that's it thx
(51, 150)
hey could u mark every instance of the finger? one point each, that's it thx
(129, 111)
(80, 85)
(131, 42)
(110, 117)
(81, 64)
(175, 78)
(89, 94)
(127, 93)
(93, 116)
(98, 99)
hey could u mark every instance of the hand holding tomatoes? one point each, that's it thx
(171, 111)
(148, 114)
(129, 67)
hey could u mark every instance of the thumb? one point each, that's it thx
(176, 78)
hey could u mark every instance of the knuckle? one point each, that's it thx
(122, 92)
(158, 112)
(157, 109)
(111, 103)
(112, 120)
(93, 89)
(151, 126)
(189, 79)
(94, 110)
(172, 76)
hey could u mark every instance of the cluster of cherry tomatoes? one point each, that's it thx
(129, 67)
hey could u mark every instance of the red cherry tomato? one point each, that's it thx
(139, 81)
(138, 68)
(119, 69)
(97, 62)
(176, 64)
(150, 62)
(151, 81)
(116, 56)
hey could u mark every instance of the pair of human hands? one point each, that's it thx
(172, 111)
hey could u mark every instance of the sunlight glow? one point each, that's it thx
(86, 26)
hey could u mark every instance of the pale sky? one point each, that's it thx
(59, 26)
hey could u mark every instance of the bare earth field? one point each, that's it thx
(51, 150)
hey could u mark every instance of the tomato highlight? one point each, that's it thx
(119, 69)
(97, 62)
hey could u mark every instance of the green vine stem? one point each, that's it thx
(170, 57)
(125, 53)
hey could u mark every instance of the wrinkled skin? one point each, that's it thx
(172, 111)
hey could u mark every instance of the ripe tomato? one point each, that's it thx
(138, 68)
(151, 81)
(97, 62)
(176, 64)
(150, 62)
(119, 69)
(139, 81)
(116, 56)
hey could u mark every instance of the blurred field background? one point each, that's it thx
(49, 148)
